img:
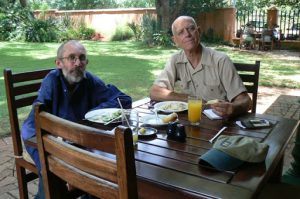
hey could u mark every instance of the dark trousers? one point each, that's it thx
(292, 176)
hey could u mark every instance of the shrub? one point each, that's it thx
(122, 33)
(162, 39)
(18, 23)
(5, 27)
(68, 34)
(149, 27)
(11, 19)
(39, 30)
(86, 33)
(136, 29)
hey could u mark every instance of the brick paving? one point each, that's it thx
(287, 105)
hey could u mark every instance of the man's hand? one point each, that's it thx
(239, 105)
(223, 108)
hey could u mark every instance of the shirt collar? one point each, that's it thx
(182, 59)
(204, 59)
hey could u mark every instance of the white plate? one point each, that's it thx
(171, 106)
(151, 120)
(103, 115)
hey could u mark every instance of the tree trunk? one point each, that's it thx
(23, 3)
(167, 11)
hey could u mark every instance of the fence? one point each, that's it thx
(288, 21)
(257, 18)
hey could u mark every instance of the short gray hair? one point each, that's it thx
(61, 48)
(185, 18)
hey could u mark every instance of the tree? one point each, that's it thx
(137, 4)
(167, 11)
(23, 3)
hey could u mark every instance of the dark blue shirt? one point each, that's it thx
(90, 93)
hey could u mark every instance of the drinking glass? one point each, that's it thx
(194, 109)
(130, 118)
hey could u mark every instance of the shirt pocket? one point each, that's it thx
(214, 90)
(183, 85)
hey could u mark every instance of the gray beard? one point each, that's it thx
(72, 79)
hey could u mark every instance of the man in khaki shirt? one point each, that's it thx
(198, 70)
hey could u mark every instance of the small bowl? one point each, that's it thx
(145, 132)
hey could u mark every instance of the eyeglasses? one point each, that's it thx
(190, 29)
(73, 58)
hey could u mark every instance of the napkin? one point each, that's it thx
(211, 115)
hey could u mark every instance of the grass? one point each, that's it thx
(130, 66)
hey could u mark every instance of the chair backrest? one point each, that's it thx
(249, 74)
(68, 160)
(21, 91)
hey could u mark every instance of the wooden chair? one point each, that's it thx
(21, 91)
(267, 41)
(96, 174)
(249, 74)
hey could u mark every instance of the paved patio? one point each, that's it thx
(287, 107)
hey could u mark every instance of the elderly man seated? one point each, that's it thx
(248, 38)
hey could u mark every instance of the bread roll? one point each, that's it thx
(170, 118)
(212, 101)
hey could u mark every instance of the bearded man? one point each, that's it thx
(69, 92)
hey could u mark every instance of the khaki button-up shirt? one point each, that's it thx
(215, 77)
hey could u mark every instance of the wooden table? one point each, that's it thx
(170, 169)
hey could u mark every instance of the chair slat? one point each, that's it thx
(27, 89)
(90, 185)
(29, 76)
(85, 161)
(69, 130)
(25, 101)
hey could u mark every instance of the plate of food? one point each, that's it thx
(171, 106)
(104, 116)
(145, 132)
(159, 120)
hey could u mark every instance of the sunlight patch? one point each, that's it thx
(295, 78)
(156, 72)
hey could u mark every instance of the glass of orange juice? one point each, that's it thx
(194, 109)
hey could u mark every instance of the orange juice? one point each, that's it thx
(194, 109)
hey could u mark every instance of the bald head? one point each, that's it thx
(62, 47)
(179, 19)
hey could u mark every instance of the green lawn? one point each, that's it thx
(130, 66)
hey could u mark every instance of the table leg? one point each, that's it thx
(276, 176)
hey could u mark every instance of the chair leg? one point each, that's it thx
(23, 190)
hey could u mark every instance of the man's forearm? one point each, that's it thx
(241, 104)
(163, 94)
